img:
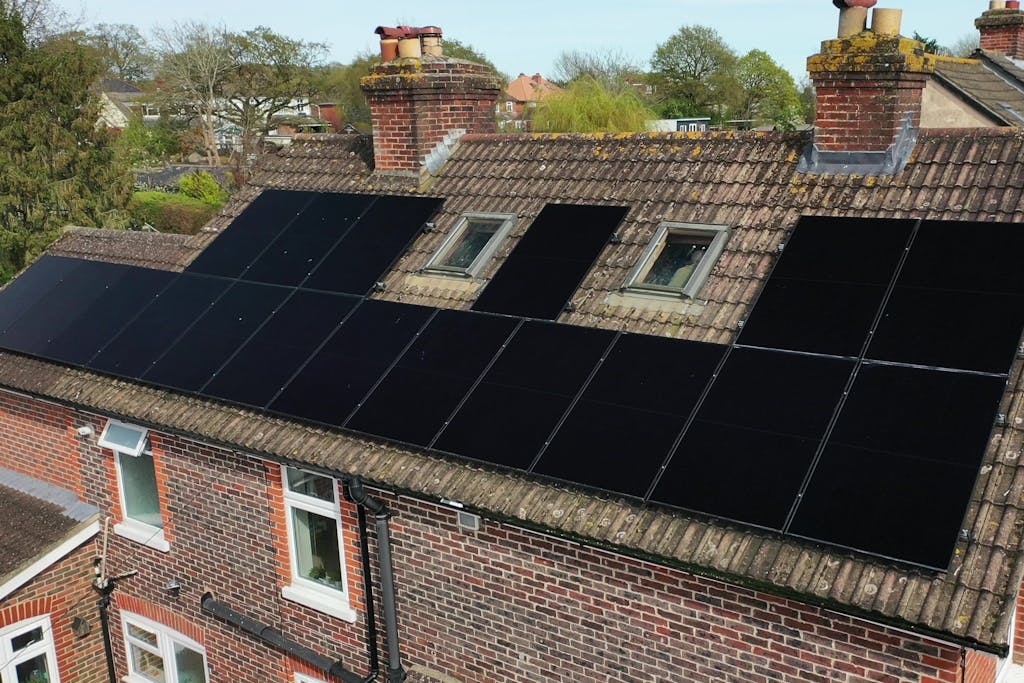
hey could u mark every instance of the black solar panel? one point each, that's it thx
(99, 322)
(192, 360)
(307, 239)
(431, 378)
(852, 250)
(263, 366)
(372, 245)
(966, 256)
(757, 432)
(251, 232)
(818, 317)
(25, 292)
(950, 329)
(524, 394)
(337, 378)
(896, 476)
(55, 312)
(547, 265)
(620, 432)
(158, 325)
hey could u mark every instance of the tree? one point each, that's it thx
(123, 50)
(270, 73)
(694, 70)
(39, 18)
(965, 45)
(769, 94)
(57, 167)
(589, 107)
(610, 67)
(195, 63)
(340, 82)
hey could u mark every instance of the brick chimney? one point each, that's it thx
(418, 105)
(868, 87)
(1002, 30)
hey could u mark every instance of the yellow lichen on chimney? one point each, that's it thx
(860, 54)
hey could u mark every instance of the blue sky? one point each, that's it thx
(527, 35)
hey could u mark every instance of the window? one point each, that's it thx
(303, 678)
(315, 543)
(157, 654)
(27, 654)
(472, 241)
(678, 259)
(510, 106)
(136, 475)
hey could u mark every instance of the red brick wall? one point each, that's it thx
(499, 605)
(64, 591)
(414, 107)
(1002, 31)
(864, 112)
(38, 439)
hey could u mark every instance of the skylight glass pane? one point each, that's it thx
(465, 250)
(123, 437)
(309, 484)
(676, 263)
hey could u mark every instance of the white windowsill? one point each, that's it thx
(142, 533)
(335, 605)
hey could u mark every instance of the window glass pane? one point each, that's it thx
(122, 437)
(309, 484)
(138, 480)
(19, 643)
(142, 634)
(674, 266)
(317, 555)
(33, 670)
(191, 667)
(469, 244)
(147, 664)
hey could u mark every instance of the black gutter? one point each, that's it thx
(273, 637)
(358, 495)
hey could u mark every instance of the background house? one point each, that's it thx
(266, 545)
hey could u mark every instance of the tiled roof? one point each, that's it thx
(145, 249)
(748, 181)
(992, 82)
(530, 88)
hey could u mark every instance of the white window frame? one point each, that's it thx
(166, 638)
(304, 678)
(133, 529)
(303, 590)
(718, 234)
(434, 266)
(45, 646)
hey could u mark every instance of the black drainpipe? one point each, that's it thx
(271, 636)
(358, 495)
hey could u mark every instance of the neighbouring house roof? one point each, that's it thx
(116, 85)
(747, 181)
(991, 82)
(530, 88)
(39, 524)
(145, 249)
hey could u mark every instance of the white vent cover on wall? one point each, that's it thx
(468, 521)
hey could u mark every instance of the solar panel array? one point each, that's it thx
(844, 413)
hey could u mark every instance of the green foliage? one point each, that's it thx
(694, 71)
(170, 211)
(589, 107)
(124, 53)
(340, 83)
(56, 166)
(459, 50)
(930, 44)
(769, 94)
(204, 187)
(140, 145)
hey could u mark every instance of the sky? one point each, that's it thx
(527, 36)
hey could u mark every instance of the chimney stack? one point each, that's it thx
(1002, 29)
(420, 101)
(868, 87)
